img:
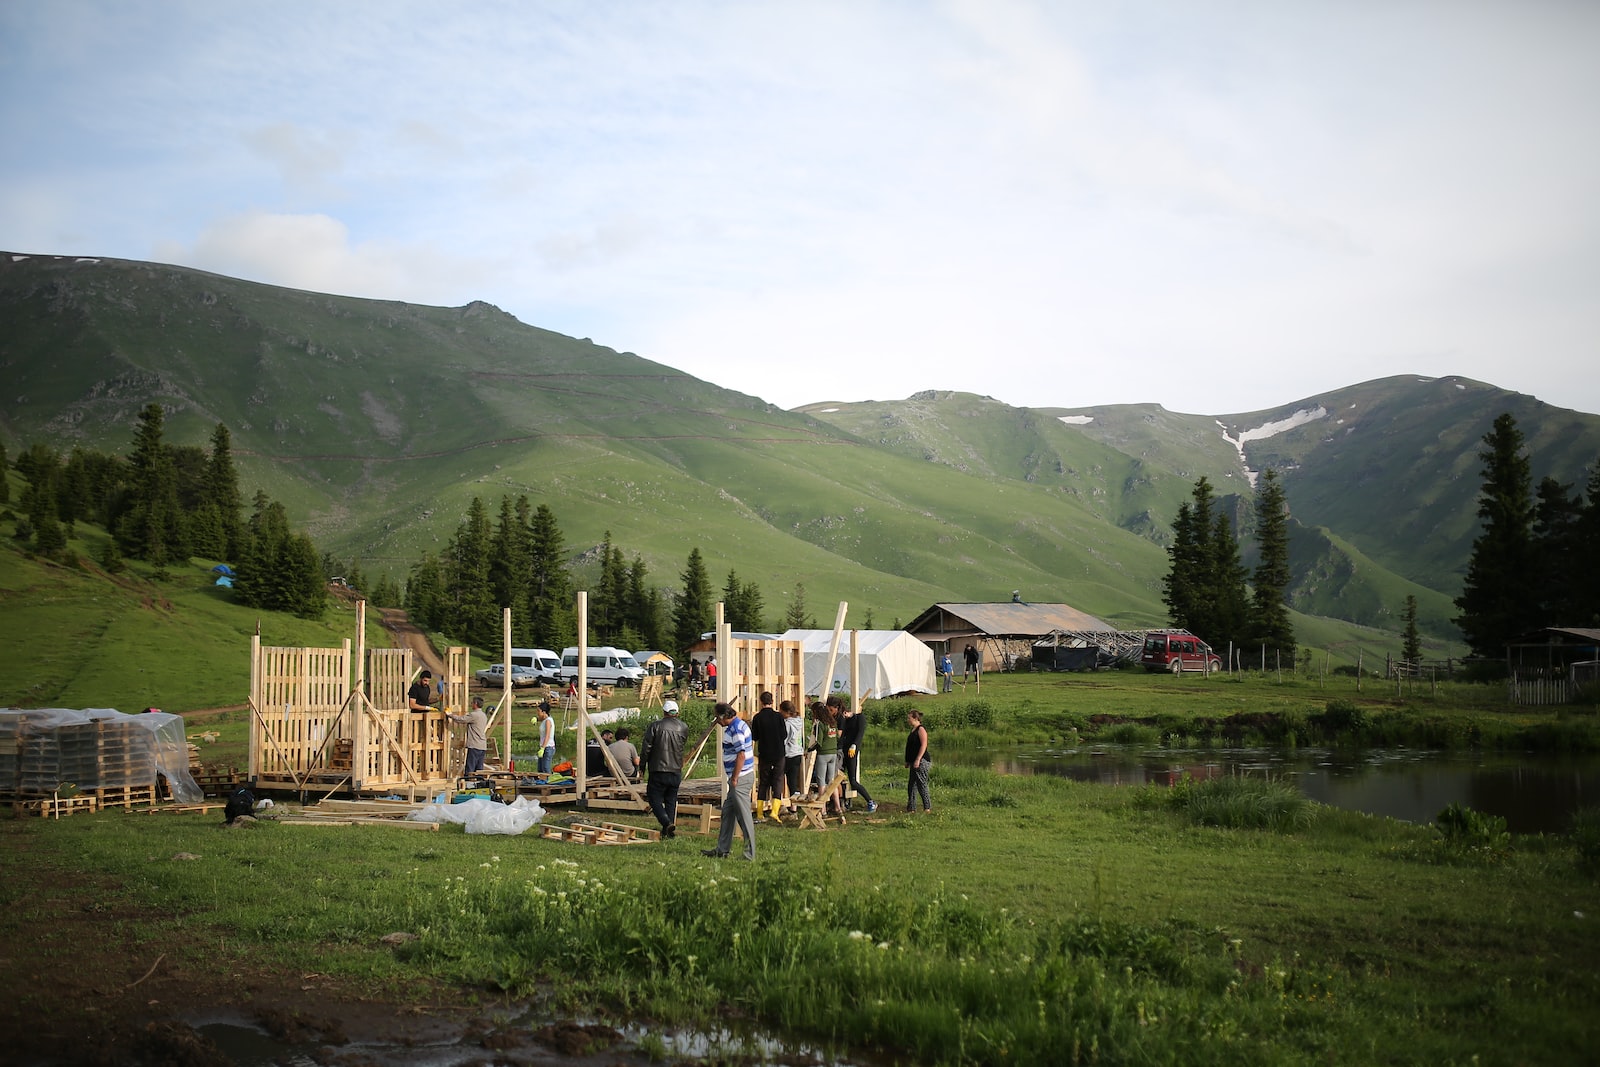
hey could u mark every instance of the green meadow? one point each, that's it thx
(1027, 920)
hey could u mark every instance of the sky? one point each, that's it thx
(1219, 206)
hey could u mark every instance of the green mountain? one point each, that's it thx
(376, 422)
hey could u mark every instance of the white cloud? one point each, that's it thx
(1213, 206)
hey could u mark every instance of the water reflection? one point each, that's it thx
(1533, 792)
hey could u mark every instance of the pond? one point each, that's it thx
(1534, 792)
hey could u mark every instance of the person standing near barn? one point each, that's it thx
(947, 669)
(970, 654)
(737, 760)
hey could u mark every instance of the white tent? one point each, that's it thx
(892, 661)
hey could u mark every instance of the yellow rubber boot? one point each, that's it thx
(775, 816)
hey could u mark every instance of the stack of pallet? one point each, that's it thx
(48, 753)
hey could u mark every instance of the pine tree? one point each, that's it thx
(550, 601)
(644, 606)
(1586, 579)
(1182, 588)
(152, 527)
(1270, 622)
(472, 613)
(5, 482)
(742, 604)
(425, 597)
(1411, 644)
(796, 616)
(222, 492)
(1494, 602)
(508, 567)
(693, 614)
(1557, 555)
(1228, 621)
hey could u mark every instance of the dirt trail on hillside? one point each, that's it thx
(406, 635)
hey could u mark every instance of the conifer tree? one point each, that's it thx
(508, 566)
(1494, 603)
(222, 492)
(694, 612)
(5, 482)
(1271, 624)
(425, 597)
(1586, 537)
(608, 609)
(471, 611)
(644, 607)
(152, 527)
(1557, 555)
(550, 605)
(797, 616)
(1411, 643)
(742, 604)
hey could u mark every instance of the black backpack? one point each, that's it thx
(242, 802)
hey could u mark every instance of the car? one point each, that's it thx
(494, 676)
(1178, 652)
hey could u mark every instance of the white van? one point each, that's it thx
(543, 662)
(607, 666)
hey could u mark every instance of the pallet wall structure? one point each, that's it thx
(331, 721)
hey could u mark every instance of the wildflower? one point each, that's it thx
(494, 859)
(483, 865)
(882, 946)
(857, 935)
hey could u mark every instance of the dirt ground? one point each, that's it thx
(75, 988)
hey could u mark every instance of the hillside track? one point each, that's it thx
(406, 635)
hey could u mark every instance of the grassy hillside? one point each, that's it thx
(76, 637)
(376, 423)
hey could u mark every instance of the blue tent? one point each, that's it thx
(222, 568)
(225, 580)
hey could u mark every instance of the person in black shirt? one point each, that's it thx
(420, 695)
(852, 733)
(768, 730)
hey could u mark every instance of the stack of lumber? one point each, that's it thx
(359, 813)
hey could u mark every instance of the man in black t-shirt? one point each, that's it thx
(418, 697)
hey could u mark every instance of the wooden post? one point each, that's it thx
(505, 691)
(1358, 670)
(579, 763)
(833, 650)
(722, 682)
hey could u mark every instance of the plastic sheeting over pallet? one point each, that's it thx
(42, 749)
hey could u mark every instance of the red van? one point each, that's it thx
(1178, 652)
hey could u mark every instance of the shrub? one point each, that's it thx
(1129, 733)
(1586, 837)
(1242, 803)
(1341, 717)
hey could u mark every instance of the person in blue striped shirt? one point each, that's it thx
(738, 763)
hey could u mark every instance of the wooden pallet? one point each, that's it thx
(126, 796)
(606, 833)
(56, 807)
(183, 809)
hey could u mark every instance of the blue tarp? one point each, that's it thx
(222, 568)
(225, 580)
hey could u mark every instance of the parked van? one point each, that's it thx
(607, 666)
(1178, 652)
(543, 662)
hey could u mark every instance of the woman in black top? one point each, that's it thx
(852, 731)
(918, 763)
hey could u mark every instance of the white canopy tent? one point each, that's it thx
(892, 661)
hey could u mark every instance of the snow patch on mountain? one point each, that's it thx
(1076, 420)
(1269, 429)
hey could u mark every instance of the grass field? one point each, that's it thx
(1027, 920)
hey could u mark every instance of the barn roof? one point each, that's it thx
(1011, 619)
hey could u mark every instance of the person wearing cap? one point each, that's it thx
(737, 760)
(477, 739)
(661, 754)
(420, 695)
(547, 736)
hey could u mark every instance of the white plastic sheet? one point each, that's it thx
(483, 816)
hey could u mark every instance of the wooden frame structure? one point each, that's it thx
(315, 727)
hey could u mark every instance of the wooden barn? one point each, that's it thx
(1003, 632)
